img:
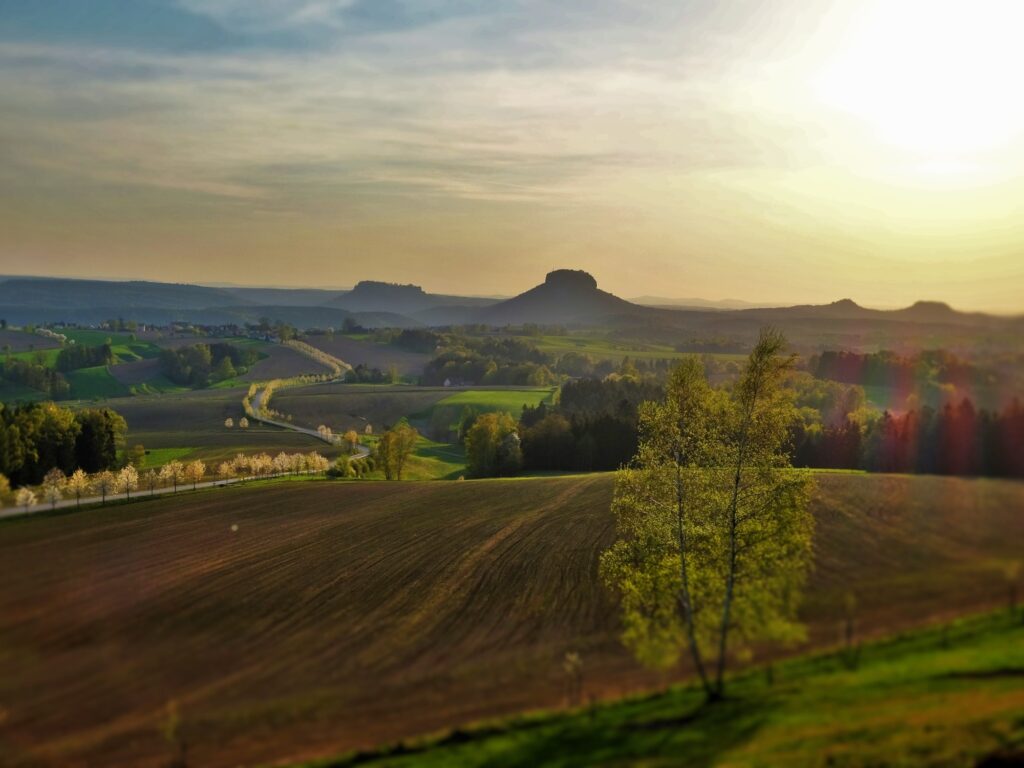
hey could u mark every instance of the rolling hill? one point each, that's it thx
(566, 296)
(293, 620)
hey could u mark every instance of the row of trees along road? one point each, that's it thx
(714, 533)
(79, 485)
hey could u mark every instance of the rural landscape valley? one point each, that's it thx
(441, 384)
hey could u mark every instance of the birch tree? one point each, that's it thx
(714, 534)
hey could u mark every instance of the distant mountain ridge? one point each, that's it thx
(373, 295)
(566, 297)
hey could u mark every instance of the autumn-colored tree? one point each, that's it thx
(714, 536)
(316, 463)
(194, 472)
(493, 447)
(394, 449)
(137, 456)
(351, 439)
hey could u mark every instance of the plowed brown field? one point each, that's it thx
(341, 615)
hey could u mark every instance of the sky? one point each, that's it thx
(794, 151)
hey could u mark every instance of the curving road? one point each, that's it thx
(362, 452)
(257, 406)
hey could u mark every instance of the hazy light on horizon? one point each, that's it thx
(772, 152)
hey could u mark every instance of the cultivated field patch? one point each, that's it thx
(20, 341)
(360, 350)
(353, 406)
(303, 619)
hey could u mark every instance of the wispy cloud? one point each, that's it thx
(444, 105)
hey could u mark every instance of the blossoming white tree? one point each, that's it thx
(194, 472)
(78, 485)
(104, 483)
(53, 487)
(25, 498)
(127, 481)
(172, 472)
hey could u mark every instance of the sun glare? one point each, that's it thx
(936, 80)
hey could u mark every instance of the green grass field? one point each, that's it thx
(157, 457)
(949, 695)
(47, 357)
(293, 621)
(431, 461)
(489, 400)
(606, 348)
(95, 384)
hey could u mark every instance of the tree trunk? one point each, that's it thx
(685, 601)
(730, 584)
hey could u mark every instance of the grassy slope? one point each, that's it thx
(356, 349)
(949, 695)
(95, 383)
(346, 615)
(607, 348)
(487, 400)
(20, 341)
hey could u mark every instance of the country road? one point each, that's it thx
(139, 494)
(361, 452)
(257, 406)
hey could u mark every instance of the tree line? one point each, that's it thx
(595, 426)
(76, 356)
(38, 437)
(200, 365)
(35, 374)
(953, 440)
(592, 428)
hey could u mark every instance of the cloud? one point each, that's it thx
(448, 100)
(267, 16)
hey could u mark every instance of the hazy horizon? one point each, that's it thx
(775, 153)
